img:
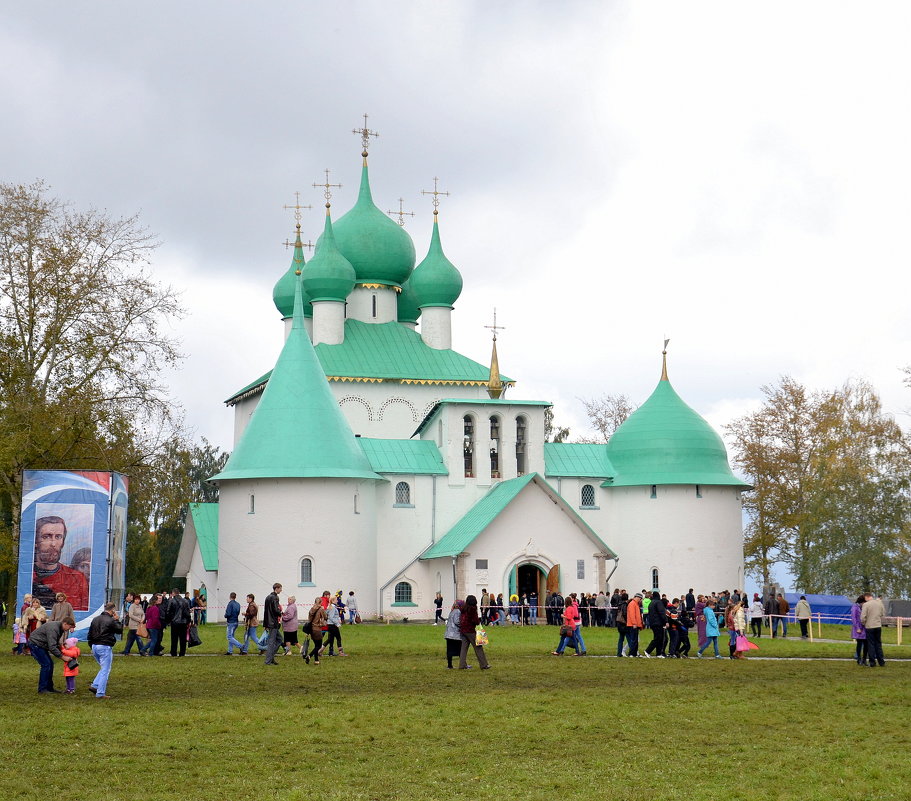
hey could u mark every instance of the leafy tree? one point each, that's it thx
(606, 414)
(553, 432)
(830, 498)
(83, 341)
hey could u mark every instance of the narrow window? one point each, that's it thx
(521, 430)
(356, 510)
(403, 593)
(655, 584)
(402, 494)
(252, 503)
(374, 305)
(698, 491)
(588, 495)
(494, 447)
(654, 491)
(306, 571)
(480, 564)
(580, 568)
(468, 446)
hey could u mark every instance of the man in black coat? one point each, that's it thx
(178, 619)
(272, 621)
(657, 622)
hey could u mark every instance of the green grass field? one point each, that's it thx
(392, 722)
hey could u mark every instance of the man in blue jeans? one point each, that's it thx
(45, 640)
(232, 615)
(103, 634)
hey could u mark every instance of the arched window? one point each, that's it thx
(494, 447)
(588, 495)
(655, 584)
(403, 593)
(521, 433)
(402, 494)
(468, 445)
(306, 570)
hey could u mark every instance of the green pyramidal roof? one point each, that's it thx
(297, 430)
(436, 281)
(666, 442)
(380, 250)
(283, 293)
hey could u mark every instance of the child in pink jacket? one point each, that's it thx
(71, 651)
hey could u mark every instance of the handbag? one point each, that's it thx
(193, 637)
(357, 617)
(480, 636)
(743, 644)
(566, 631)
(142, 631)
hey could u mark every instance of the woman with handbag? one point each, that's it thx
(568, 629)
(316, 619)
(135, 618)
(467, 625)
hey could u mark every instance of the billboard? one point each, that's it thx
(72, 538)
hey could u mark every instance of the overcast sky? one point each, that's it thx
(732, 176)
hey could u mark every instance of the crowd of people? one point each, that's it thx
(670, 622)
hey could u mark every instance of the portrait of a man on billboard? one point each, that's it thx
(50, 575)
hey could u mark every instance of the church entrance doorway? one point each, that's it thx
(531, 580)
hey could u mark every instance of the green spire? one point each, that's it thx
(436, 281)
(283, 293)
(380, 250)
(297, 430)
(329, 275)
(666, 442)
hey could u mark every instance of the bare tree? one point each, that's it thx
(607, 413)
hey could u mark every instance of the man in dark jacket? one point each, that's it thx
(44, 642)
(179, 620)
(103, 635)
(272, 622)
(657, 622)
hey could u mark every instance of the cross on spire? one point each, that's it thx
(401, 212)
(495, 327)
(365, 133)
(328, 188)
(288, 243)
(297, 207)
(436, 196)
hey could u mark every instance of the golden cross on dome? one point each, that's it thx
(436, 195)
(401, 212)
(365, 134)
(297, 207)
(328, 188)
(495, 327)
(289, 244)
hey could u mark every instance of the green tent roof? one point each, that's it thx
(297, 430)
(488, 508)
(205, 521)
(666, 442)
(403, 456)
(577, 459)
(391, 352)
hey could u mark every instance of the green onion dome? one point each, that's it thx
(283, 293)
(436, 281)
(329, 275)
(379, 249)
(666, 442)
(408, 305)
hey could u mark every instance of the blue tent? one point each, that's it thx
(833, 608)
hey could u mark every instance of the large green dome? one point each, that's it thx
(379, 249)
(283, 293)
(666, 442)
(408, 310)
(329, 275)
(436, 281)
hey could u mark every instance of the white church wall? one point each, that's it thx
(332, 522)
(533, 529)
(373, 304)
(198, 577)
(692, 541)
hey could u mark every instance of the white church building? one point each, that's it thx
(376, 458)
